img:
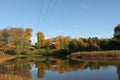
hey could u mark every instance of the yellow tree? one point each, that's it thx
(27, 35)
(4, 37)
(17, 39)
(59, 42)
(67, 39)
(40, 40)
(47, 42)
(16, 36)
(81, 44)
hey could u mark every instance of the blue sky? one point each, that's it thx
(75, 18)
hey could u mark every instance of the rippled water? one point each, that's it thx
(47, 68)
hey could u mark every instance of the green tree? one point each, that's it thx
(73, 45)
(117, 32)
(92, 45)
(104, 44)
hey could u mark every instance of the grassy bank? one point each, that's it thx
(96, 55)
(4, 57)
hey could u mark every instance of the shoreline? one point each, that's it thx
(92, 55)
(5, 57)
(114, 61)
(96, 55)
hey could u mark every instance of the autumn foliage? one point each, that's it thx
(15, 39)
(18, 40)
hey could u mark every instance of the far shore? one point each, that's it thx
(113, 55)
(96, 55)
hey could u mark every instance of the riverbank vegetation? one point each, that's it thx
(96, 55)
(17, 41)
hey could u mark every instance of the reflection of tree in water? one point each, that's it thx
(71, 65)
(66, 65)
(118, 72)
(17, 67)
(41, 69)
(94, 65)
(22, 66)
(76, 65)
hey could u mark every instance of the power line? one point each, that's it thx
(41, 10)
(55, 5)
(48, 7)
(48, 13)
(52, 11)
(47, 10)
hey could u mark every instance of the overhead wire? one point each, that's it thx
(41, 10)
(51, 12)
(47, 11)
(54, 6)
(50, 7)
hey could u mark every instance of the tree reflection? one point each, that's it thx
(41, 69)
(17, 67)
(118, 72)
(22, 66)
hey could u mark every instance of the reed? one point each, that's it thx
(97, 54)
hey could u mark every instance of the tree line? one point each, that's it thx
(81, 44)
(15, 39)
(18, 40)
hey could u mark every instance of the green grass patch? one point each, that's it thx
(36, 51)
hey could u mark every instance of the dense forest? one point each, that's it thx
(17, 41)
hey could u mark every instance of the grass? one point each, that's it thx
(36, 51)
(97, 54)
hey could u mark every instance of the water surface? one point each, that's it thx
(48, 68)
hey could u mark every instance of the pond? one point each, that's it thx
(48, 68)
